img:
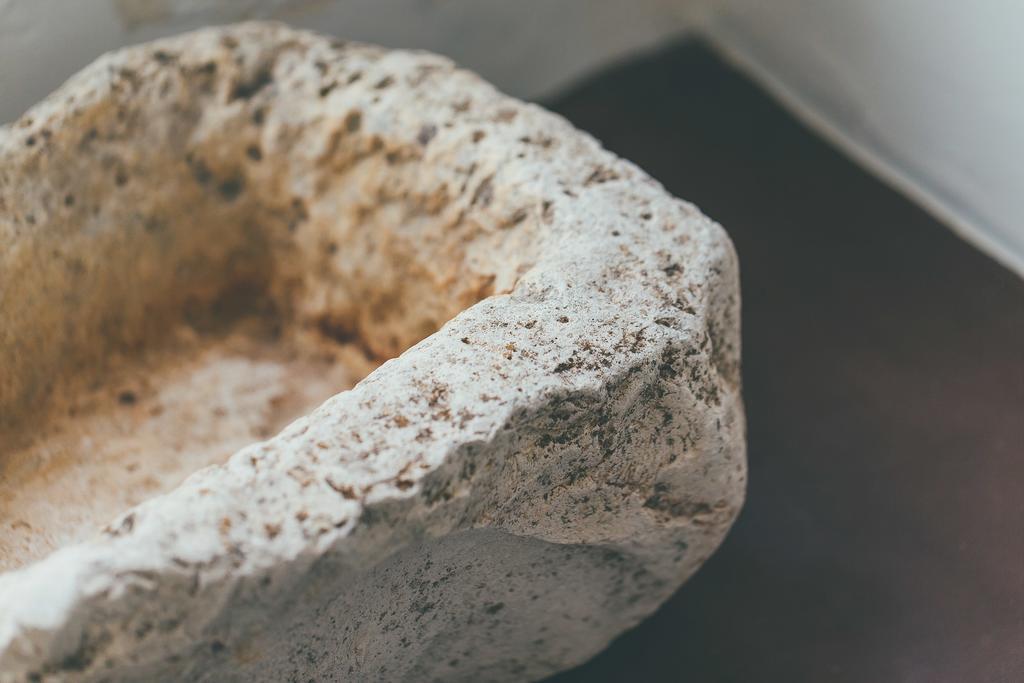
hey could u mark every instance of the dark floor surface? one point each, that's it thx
(883, 535)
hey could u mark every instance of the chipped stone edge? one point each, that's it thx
(170, 559)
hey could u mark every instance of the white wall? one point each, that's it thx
(929, 94)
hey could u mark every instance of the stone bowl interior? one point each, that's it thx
(188, 279)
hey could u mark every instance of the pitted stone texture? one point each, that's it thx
(496, 503)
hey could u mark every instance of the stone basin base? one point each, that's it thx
(319, 360)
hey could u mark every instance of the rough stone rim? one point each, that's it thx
(143, 565)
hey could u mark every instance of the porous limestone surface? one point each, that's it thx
(550, 443)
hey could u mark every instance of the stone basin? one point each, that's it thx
(320, 360)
